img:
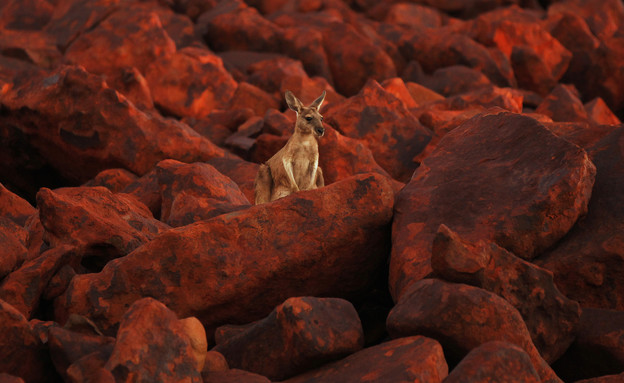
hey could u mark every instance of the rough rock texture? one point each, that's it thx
(14, 207)
(550, 317)
(392, 133)
(152, 345)
(588, 263)
(100, 224)
(495, 361)
(300, 334)
(401, 360)
(336, 240)
(598, 348)
(461, 318)
(70, 126)
(14, 251)
(114, 180)
(195, 192)
(503, 178)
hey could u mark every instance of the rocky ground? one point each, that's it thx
(471, 229)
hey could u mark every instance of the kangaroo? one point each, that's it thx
(295, 166)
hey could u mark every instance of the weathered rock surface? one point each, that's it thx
(550, 317)
(14, 207)
(195, 192)
(300, 334)
(461, 318)
(494, 361)
(336, 239)
(150, 342)
(503, 178)
(401, 360)
(114, 180)
(588, 263)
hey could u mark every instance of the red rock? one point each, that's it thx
(190, 83)
(455, 79)
(114, 180)
(392, 133)
(461, 318)
(132, 84)
(604, 379)
(149, 342)
(563, 104)
(100, 224)
(495, 361)
(25, 15)
(193, 8)
(72, 18)
(603, 18)
(23, 287)
(582, 134)
(242, 141)
(7, 378)
(195, 192)
(147, 190)
(233, 376)
(32, 46)
(298, 335)
(178, 26)
(599, 113)
(21, 353)
(34, 238)
(421, 94)
(59, 283)
(324, 252)
(397, 87)
(219, 124)
(587, 263)
(78, 127)
(240, 171)
(233, 25)
(67, 347)
(520, 207)
(307, 45)
(414, 15)
(482, 98)
(598, 348)
(90, 368)
(254, 98)
(410, 359)
(14, 252)
(214, 362)
(550, 317)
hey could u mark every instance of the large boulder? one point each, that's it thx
(502, 177)
(235, 268)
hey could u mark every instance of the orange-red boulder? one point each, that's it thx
(233, 376)
(70, 126)
(24, 287)
(551, 318)
(401, 360)
(298, 335)
(248, 96)
(233, 269)
(494, 361)
(22, 354)
(14, 207)
(195, 192)
(598, 348)
(461, 318)
(563, 104)
(589, 262)
(392, 133)
(219, 124)
(191, 82)
(500, 177)
(454, 79)
(114, 179)
(12, 243)
(100, 224)
(240, 171)
(90, 368)
(598, 113)
(152, 345)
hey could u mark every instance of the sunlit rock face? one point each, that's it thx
(469, 227)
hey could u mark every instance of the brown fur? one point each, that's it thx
(295, 166)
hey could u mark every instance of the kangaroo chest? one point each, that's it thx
(305, 163)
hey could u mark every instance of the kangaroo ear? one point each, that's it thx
(293, 102)
(319, 101)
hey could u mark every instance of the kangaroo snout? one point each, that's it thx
(319, 131)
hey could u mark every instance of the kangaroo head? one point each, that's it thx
(309, 120)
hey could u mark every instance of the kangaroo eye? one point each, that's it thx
(321, 118)
(308, 118)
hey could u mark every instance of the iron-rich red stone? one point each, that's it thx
(100, 224)
(147, 190)
(461, 318)
(114, 180)
(14, 207)
(90, 368)
(70, 126)
(550, 317)
(26, 14)
(588, 263)
(219, 124)
(392, 133)
(598, 113)
(251, 97)
(563, 104)
(455, 79)
(214, 362)
(598, 348)
(66, 347)
(490, 179)
(195, 192)
(240, 171)
(232, 268)
(298, 335)
(401, 360)
(14, 251)
(233, 376)
(22, 354)
(24, 287)
(191, 82)
(495, 361)
(152, 345)
(604, 379)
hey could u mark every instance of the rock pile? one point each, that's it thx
(470, 229)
